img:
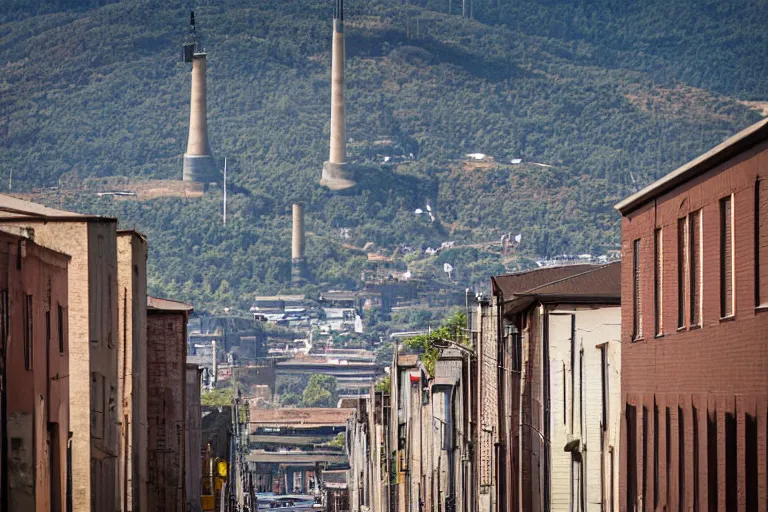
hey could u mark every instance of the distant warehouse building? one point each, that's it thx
(695, 333)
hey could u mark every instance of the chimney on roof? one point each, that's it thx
(336, 175)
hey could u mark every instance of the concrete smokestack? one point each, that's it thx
(199, 165)
(297, 244)
(336, 176)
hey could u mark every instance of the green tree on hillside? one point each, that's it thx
(320, 392)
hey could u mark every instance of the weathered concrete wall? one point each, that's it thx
(703, 390)
(132, 365)
(166, 413)
(92, 283)
(105, 432)
(38, 390)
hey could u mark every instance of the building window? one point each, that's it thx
(726, 257)
(97, 405)
(658, 281)
(682, 269)
(694, 266)
(110, 316)
(47, 332)
(28, 334)
(637, 311)
(4, 318)
(60, 322)
(761, 244)
(605, 378)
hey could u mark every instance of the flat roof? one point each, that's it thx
(260, 298)
(307, 417)
(157, 304)
(297, 457)
(131, 232)
(15, 209)
(729, 148)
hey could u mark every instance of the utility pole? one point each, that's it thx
(225, 191)
(10, 180)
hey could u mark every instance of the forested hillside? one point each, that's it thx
(611, 94)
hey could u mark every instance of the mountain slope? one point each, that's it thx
(606, 93)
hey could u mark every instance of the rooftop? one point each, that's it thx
(267, 298)
(742, 141)
(13, 209)
(513, 284)
(157, 304)
(596, 284)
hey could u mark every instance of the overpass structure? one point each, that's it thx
(351, 377)
(288, 448)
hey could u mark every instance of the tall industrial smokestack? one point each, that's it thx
(199, 164)
(297, 244)
(336, 176)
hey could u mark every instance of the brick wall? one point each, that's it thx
(37, 388)
(166, 368)
(702, 391)
(92, 318)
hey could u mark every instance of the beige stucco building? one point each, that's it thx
(132, 367)
(90, 241)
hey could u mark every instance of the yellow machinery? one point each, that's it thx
(215, 473)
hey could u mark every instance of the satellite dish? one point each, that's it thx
(418, 211)
(429, 208)
(518, 238)
(447, 268)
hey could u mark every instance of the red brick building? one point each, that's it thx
(35, 368)
(695, 333)
(166, 403)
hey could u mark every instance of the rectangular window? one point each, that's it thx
(47, 332)
(695, 250)
(712, 463)
(726, 257)
(4, 318)
(658, 282)
(656, 454)
(60, 322)
(731, 463)
(28, 341)
(97, 405)
(761, 243)
(110, 315)
(680, 455)
(637, 309)
(682, 269)
(631, 462)
(606, 391)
